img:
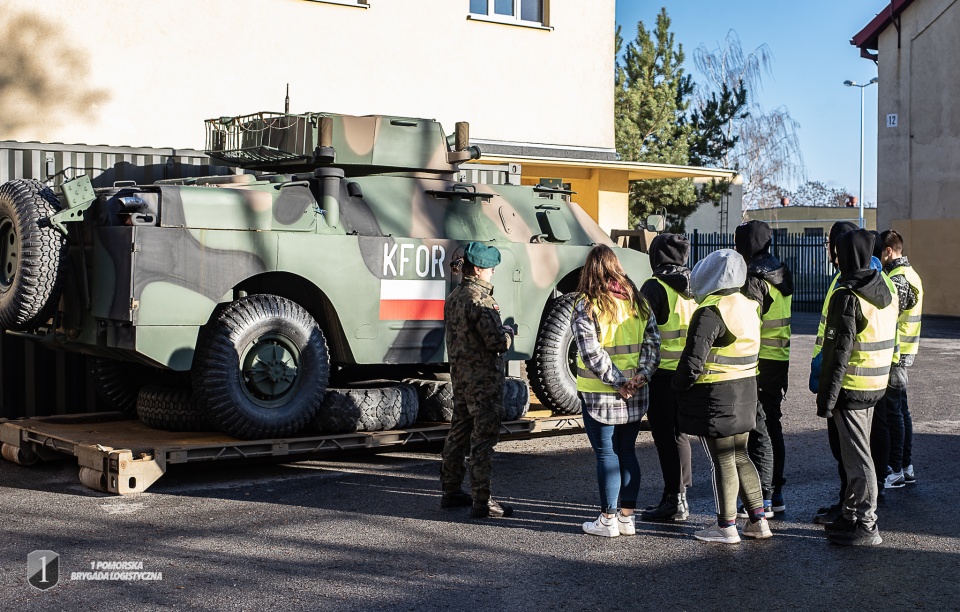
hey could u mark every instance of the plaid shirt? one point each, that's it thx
(611, 408)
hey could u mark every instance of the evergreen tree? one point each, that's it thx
(652, 95)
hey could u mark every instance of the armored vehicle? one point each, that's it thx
(235, 301)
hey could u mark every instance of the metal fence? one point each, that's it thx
(804, 254)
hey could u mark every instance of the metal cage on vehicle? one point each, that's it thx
(262, 138)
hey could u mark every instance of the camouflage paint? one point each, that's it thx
(160, 258)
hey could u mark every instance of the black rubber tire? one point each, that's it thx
(551, 369)
(435, 398)
(31, 279)
(118, 382)
(170, 409)
(516, 399)
(367, 409)
(228, 396)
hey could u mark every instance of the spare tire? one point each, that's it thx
(170, 409)
(367, 409)
(552, 369)
(118, 382)
(435, 398)
(33, 254)
(516, 399)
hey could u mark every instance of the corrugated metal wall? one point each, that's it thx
(34, 380)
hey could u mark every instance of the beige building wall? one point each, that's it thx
(918, 174)
(148, 73)
(797, 219)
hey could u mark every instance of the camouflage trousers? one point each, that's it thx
(475, 429)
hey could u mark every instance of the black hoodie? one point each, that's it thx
(668, 258)
(845, 320)
(752, 240)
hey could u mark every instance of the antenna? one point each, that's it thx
(286, 101)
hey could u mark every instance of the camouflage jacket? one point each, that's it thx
(475, 337)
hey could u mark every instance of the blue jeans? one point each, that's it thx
(618, 470)
(899, 420)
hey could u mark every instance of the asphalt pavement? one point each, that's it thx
(367, 533)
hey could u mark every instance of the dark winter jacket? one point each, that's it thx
(845, 319)
(668, 257)
(713, 409)
(752, 241)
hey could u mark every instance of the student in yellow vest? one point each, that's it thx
(770, 283)
(829, 513)
(859, 338)
(899, 422)
(717, 399)
(672, 303)
(618, 350)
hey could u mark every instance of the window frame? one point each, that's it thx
(365, 4)
(514, 20)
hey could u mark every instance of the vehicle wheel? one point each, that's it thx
(32, 254)
(261, 368)
(516, 398)
(435, 398)
(372, 409)
(552, 370)
(118, 382)
(170, 409)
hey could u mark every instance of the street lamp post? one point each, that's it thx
(854, 84)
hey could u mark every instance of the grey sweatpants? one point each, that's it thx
(853, 430)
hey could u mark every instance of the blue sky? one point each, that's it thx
(812, 57)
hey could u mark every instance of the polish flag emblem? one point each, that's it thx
(412, 300)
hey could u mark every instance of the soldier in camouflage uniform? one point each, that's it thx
(476, 341)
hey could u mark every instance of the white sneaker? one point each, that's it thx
(603, 527)
(758, 530)
(908, 475)
(716, 533)
(894, 480)
(627, 524)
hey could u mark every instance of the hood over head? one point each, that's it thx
(720, 270)
(854, 251)
(668, 258)
(752, 238)
(836, 230)
(877, 244)
(669, 249)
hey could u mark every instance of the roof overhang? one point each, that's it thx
(867, 39)
(636, 171)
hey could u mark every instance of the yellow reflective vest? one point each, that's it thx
(823, 315)
(621, 337)
(741, 315)
(908, 324)
(673, 333)
(775, 327)
(873, 348)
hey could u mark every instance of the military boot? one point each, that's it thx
(490, 509)
(671, 508)
(455, 498)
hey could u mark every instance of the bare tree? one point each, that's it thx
(767, 151)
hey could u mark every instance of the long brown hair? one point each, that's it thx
(601, 271)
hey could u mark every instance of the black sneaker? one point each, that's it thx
(455, 499)
(490, 509)
(828, 514)
(841, 523)
(670, 509)
(860, 536)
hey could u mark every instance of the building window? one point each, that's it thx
(522, 11)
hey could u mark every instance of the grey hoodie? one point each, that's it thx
(723, 269)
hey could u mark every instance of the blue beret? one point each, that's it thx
(482, 255)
